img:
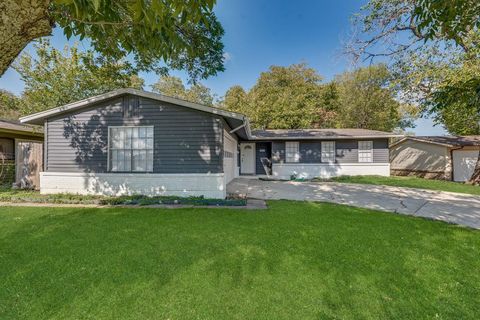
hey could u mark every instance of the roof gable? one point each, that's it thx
(39, 117)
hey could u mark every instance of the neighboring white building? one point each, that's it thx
(435, 157)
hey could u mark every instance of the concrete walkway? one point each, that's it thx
(446, 206)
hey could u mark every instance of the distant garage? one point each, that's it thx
(435, 157)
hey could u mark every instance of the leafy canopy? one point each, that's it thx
(434, 55)
(183, 33)
(294, 97)
(452, 19)
(366, 101)
(8, 105)
(155, 34)
(53, 77)
(174, 87)
(282, 98)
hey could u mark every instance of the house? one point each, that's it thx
(436, 157)
(21, 148)
(130, 141)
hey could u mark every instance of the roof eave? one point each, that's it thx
(327, 138)
(447, 145)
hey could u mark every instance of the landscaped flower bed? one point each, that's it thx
(19, 196)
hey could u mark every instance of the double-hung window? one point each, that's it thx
(130, 149)
(365, 151)
(328, 151)
(292, 152)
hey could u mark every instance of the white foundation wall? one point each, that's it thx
(317, 170)
(183, 185)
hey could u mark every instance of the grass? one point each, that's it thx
(296, 260)
(19, 196)
(412, 182)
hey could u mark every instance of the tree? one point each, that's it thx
(174, 87)
(53, 77)
(285, 98)
(294, 97)
(366, 101)
(452, 19)
(182, 34)
(236, 100)
(8, 105)
(434, 48)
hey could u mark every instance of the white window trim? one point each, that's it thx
(296, 157)
(370, 151)
(109, 169)
(334, 152)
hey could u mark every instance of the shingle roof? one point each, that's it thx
(450, 141)
(321, 134)
(16, 126)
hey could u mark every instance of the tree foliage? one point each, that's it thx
(180, 34)
(432, 68)
(174, 87)
(53, 77)
(366, 101)
(282, 98)
(435, 53)
(294, 97)
(8, 105)
(452, 19)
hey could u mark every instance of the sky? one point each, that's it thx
(261, 33)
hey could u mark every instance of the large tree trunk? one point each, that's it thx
(21, 22)
(475, 179)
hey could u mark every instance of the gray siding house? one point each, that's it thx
(129, 141)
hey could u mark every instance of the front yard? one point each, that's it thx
(296, 260)
(412, 182)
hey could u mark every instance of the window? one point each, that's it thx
(292, 151)
(131, 149)
(328, 151)
(365, 151)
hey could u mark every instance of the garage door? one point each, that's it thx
(463, 164)
(229, 147)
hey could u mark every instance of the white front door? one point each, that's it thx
(247, 158)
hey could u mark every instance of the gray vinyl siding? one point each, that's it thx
(185, 140)
(381, 151)
(346, 151)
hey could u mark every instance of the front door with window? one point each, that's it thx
(247, 158)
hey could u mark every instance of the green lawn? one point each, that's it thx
(412, 182)
(296, 260)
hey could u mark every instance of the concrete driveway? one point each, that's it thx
(446, 206)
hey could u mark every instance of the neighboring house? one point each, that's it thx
(21, 148)
(129, 141)
(436, 157)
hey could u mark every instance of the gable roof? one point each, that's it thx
(12, 126)
(321, 134)
(233, 119)
(446, 141)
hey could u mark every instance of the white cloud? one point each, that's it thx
(227, 56)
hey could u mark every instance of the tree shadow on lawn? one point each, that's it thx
(317, 260)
